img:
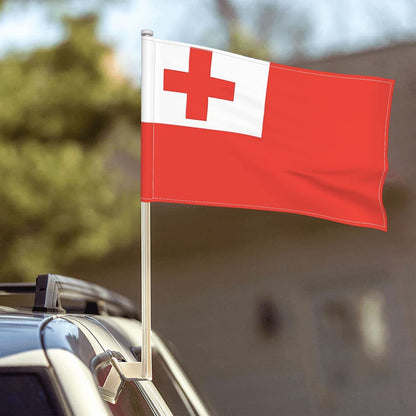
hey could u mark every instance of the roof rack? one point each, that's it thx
(50, 288)
(17, 288)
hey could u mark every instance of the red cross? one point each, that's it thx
(198, 84)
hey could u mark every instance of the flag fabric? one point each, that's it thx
(225, 130)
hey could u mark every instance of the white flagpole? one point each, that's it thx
(133, 370)
(147, 109)
(146, 292)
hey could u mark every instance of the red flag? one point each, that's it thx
(225, 130)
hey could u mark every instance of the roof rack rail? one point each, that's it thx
(17, 288)
(49, 289)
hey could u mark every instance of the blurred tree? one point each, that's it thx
(290, 29)
(58, 199)
(241, 39)
(57, 204)
(253, 29)
(65, 92)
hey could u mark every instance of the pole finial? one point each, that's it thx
(147, 32)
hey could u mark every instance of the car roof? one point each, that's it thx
(25, 331)
(43, 339)
(19, 332)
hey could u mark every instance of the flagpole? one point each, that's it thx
(146, 291)
(147, 107)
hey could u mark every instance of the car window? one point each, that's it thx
(125, 399)
(169, 388)
(130, 402)
(27, 393)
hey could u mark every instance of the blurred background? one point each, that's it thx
(270, 313)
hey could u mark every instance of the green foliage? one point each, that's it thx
(245, 43)
(58, 199)
(65, 92)
(57, 205)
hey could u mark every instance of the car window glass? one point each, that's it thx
(126, 399)
(169, 388)
(130, 402)
(26, 394)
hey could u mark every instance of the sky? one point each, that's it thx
(351, 25)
